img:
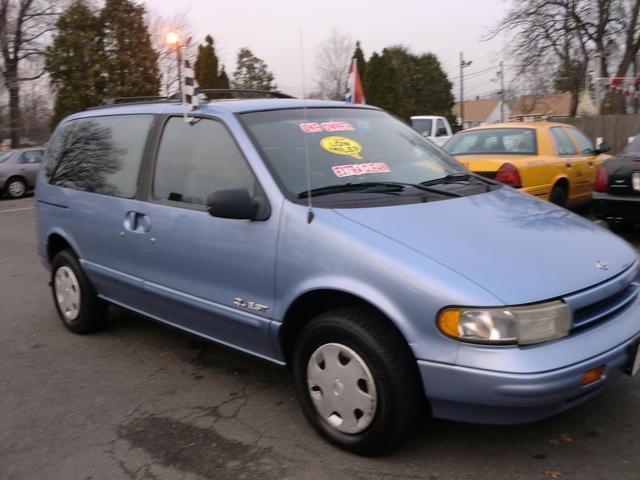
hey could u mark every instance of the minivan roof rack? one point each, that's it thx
(111, 102)
(222, 91)
(140, 99)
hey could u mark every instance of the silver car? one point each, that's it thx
(18, 169)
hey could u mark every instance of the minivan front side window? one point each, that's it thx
(197, 158)
(99, 154)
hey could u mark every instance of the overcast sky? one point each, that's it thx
(271, 30)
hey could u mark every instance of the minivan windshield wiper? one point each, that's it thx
(450, 178)
(373, 187)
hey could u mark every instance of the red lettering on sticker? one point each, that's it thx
(337, 127)
(360, 169)
(311, 127)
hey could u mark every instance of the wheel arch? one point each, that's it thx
(561, 180)
(58, 241)
(311, 303)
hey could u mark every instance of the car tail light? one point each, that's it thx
(602, 180)
(510, 175)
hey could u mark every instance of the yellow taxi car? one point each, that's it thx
(553, 161)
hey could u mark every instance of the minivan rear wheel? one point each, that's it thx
(78, 306)
(357, 381)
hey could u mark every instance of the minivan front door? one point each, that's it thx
(213, 276)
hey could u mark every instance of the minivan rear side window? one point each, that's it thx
(99, 154)
(194, 159)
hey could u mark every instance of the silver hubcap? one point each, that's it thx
(16, 189)
(67, 292)
(341, 388)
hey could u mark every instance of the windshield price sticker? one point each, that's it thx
(360, 169)
(327, 127)
(342, 146)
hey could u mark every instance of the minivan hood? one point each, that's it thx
(519, 248)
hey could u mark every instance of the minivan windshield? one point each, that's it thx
(493, 141)
(345, 146)
(633, 149)
(4, 156)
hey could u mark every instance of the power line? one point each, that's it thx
(478, 72)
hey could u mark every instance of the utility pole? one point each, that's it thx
(502, 92)
(463, 65)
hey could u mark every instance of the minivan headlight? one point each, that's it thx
(523, 325)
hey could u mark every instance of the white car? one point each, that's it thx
(436, 129)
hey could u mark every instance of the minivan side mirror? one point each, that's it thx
(235, 203)
(603, 148)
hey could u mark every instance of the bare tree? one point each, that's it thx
(24, 31)
(36, 109)
(547, 37)
(533, 85)
(574, 31)
(332, 65)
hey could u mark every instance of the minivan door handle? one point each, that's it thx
(137, 222)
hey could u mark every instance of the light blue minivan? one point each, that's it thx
(335, 239)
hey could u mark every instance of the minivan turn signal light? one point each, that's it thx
(592, 375)
(522, 325)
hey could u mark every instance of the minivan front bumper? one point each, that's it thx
(483, 396)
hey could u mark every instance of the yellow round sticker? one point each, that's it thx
(342, 146)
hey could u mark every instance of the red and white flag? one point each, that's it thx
(356, 92)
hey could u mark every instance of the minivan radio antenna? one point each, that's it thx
(306, 137)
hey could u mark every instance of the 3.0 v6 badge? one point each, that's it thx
(258, 307)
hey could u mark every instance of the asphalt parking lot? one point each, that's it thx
(142, 401)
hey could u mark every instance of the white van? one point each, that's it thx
(436, 129)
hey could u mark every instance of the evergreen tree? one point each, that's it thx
(206, 66)
(358, 55)
(431, 88)
(252, 72)
(223, 81)
(131, 63)
(407, 84)
(73, 61)
(381, 86)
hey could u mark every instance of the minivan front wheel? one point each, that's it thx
(357, 381)
(78, 306)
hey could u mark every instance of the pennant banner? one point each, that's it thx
(627, 86)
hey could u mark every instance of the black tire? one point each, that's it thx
(559, 195)
(91, 311)
(398, 388)
(15, 188)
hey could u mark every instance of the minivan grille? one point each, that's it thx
(601, 311)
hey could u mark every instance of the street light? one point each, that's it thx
(173, 40)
